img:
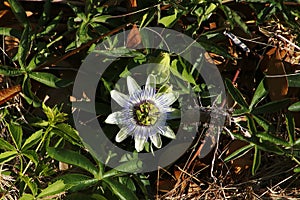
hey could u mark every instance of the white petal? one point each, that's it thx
(120, 98)
(167, 99)
(114, 118)
(169, 133)
(132, 85)
(151, 82)
(122, 135)
(139, 143)
(156, 140)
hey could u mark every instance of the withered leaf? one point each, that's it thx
(134, 37)
(9, 93)
(276, 76)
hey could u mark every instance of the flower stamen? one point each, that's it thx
(146, 113)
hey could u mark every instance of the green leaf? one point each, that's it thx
(178, 68)
(239, 153)
(271, 107)
(266, 125)
(290, 123)
(24, 47)
(162, 69)
(131, 166)
(81, 196)
(45, 14)
(19, 12)
(234, 18)
(32, 185)
(272, 138)
(259, 94)
(120, 190)
(53, 189)
(7, 156)
(16, 133)
(68, 133)
(297, 170)
(38, 59)
(48, 79)
(256, 160)
(168, 21)
(235, 94)
(264, 146)
(295, 107)
(241, 111)
(32, 140)
(251, 124)
(27, 197)
(32, 155)
(294, 81)
(6, 145)
(101, 18)
(4, 31)
(126, 180)
(76, 182)
(73, 158)
(51, 25)
(9, 71)
(29, 96)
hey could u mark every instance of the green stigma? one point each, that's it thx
(146, 113)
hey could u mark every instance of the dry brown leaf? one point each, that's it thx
(278, 85)
(6, 3)
(134, 37)
(9, 93)
(166, 185)
(133, 3)
(3, 12)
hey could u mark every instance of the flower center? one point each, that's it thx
(146, 113)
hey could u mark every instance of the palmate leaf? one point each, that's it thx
(290, 123)
(271, 107)
(272, 138)
(131, 166)
(76, 182)
(16, 133)
(236, 94)
(239, 153)
(27, 197)
(120, 190)
(4, 31)
(259, 94)
(53, 189)
(4, 145)
(168, 21)
(32, 185)
(256, 160)
(7, 156)
(67, 132)
(295, 107)
(32, 140)
(49, 79)
(24, 47)
(19, 12)
(73, 158)
(234, 18)
(29, 96)
(9, 71)
(294, 81)
(266, 125)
